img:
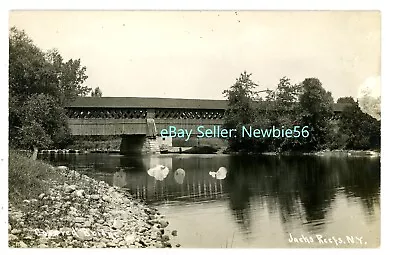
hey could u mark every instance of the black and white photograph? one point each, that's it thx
(194, 129)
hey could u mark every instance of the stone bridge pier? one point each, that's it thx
(142, 144)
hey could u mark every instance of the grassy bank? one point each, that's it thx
(28, 178)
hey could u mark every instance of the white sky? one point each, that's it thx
(198, 54)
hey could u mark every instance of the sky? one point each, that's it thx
(198, 54)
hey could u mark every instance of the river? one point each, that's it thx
(263, 202)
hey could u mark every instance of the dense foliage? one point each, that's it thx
(240, 110)
(40, 85)
(96, 92)
(306, 107)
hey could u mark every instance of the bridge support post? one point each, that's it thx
(142, 144)
(151, 144)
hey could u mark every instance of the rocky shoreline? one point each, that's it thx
(82, 212)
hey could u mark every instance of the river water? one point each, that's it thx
(263, 201)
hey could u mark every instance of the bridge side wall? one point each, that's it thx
(108, 126)
(135, 126)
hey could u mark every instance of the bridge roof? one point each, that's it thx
(152, 102)
(147, 102)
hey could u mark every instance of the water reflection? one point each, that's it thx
(119, 178)
(220, 174)
(298, 193)
(179, 175)
(159, 172)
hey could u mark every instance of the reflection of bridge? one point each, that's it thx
(139, 120)
(196, 185)
(190, 190)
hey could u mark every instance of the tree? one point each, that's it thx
(29, 72)
(96, 92)
(280, 109)
(316, 111)
(346, 100)
(70, 77)
(371, 105)
(358, 130)
(241, 110)
(40, 85)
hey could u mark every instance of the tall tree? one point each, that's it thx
(280, 109)
(316, 111)
(40, 85)
(358, 130)
(70, 76)
(241, 110)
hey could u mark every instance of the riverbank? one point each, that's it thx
(224, 150)
(57, 207)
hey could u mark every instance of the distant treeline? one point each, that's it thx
(289, 105)
(40, 85)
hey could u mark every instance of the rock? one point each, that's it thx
(95, 197)
(167, 244)
(117, 224)
(70, 188)
(101, 245)
(12, 237)
(111, 244)
(148, 211)
(163, 223)
(142, 230)
(83, 234)
(9, 227)
(21, 244)
(28, 237)
(79, 220)
(106, 198)
(165, 237)
(158, 245)
(42, 246)
(125, 215)
(41, 196)
(130, 239)
(79, 193)
(15, 231)
(174, 233)
(178, 245)
(43, 240)
(87, 224)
